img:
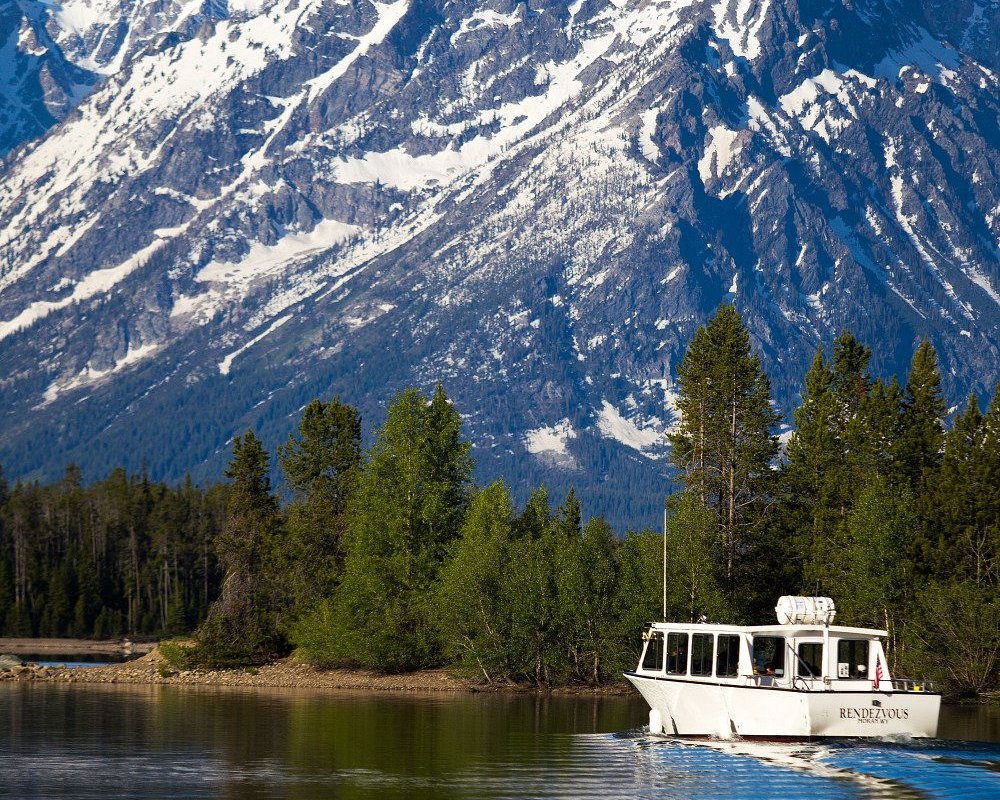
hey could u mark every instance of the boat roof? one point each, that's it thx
(787, 630)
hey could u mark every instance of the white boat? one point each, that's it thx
(800, 679)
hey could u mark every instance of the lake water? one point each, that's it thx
(179, 742)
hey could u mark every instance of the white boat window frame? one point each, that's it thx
(782, 643)
(851, 665)
(817, 672)
(711, 655)
(687, 653)
(652, 638)
(739, 655)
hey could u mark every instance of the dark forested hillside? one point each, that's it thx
(121, 557)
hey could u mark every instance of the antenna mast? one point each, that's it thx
(664, 562)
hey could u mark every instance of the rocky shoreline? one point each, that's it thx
(152, 669)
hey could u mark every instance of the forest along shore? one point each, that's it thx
(287, 673)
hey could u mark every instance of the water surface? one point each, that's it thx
(183, 742)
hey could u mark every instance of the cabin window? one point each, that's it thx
(810, 662)
(652, 659)
(677, 653)
(727, 662)
(702, 645)
(852, 658)
(769, 655)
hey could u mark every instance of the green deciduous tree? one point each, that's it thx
(474, 596)
(409, 507)
(868, 570)
(693, 567)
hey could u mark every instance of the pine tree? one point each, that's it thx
(847, 430)
(922, 434)
(959, 543)
(321, 465)
(724, 443)
(812, 485)
(245, 625)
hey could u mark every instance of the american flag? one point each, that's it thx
(878, 673)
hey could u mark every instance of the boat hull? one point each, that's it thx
(703, 708)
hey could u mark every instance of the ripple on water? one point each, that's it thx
(667, 768)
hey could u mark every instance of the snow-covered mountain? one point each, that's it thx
(265, 200)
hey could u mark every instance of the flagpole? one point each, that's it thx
(664, 562)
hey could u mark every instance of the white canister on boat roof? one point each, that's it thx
(793, 610)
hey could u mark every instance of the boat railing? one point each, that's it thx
(771, 681)
(912, 685)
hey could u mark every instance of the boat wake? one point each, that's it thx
(870, 768)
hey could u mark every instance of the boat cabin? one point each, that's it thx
(801, 678)
(804, 657)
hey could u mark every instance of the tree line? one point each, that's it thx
(122, 557)
(392, 559)
(873, 501)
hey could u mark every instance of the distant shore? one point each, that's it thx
(78, 647)
(151, 668)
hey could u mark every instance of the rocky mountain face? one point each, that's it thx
(262, 201)
(39, 85)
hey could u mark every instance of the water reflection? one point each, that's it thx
(174, 742)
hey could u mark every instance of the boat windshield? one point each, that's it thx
(810, 658)
(652, 659)
(769, 655)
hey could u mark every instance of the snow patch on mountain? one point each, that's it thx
(613, 425)
(89, 376)
(97, 282)
(739, 22)
(551, 442)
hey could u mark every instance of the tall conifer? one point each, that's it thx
(724, 443)
(922, 434)
(321, 464)
(245, 624)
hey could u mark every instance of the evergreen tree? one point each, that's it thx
(962, 544)
(724, 444)
(244, 625)
(919, 450)
(846, 433)
(811, 479)
(321, 465)
(922, 434)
